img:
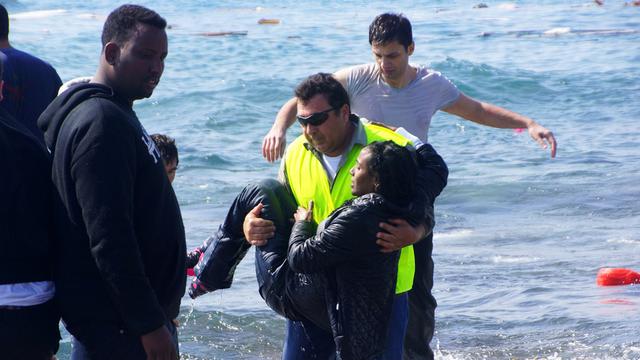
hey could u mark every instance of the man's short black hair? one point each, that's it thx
(390, 27)
(167, 147)
(122, 23)
(326, 85)
(4, 23)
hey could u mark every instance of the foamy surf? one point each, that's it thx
(456, 234)
(624, 241)
(507, 6)
(557, 31)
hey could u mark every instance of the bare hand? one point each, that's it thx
(539, 133)
(158, 345)
(257, 230)
(304, 214)
(397, 234)
(273, 144)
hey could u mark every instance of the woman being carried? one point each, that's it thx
(340, 263)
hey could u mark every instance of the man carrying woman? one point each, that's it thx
(315, 167)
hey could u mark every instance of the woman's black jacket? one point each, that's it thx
(358, 279)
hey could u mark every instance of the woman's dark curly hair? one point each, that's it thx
(396, 169)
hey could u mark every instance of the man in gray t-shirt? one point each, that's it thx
(410, 107)
(393, 92)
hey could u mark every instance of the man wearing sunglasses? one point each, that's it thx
(314, 168)
(396, 93)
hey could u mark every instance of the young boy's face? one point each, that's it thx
(170, 167)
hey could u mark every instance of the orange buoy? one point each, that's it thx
(617, 276)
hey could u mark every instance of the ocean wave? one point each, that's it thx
(496, 84)
(517, 259)
(38, 14)
(507, 6)
(204, 160)
(624, 241)
(455, 234)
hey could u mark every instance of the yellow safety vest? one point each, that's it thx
(308, 180)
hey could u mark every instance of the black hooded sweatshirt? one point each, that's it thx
(120, 262)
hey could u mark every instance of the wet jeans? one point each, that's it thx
(303, 340)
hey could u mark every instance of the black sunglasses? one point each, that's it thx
(315, 119)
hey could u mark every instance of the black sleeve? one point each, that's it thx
(104, 171)
(57, 83)
(334, 245)
(432, 179)
(433, 172)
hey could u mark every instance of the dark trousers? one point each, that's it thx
(29, 332)
(227, 247)
(111, 343)
(303, 340)
(422, 305)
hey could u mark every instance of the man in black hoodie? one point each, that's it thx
(120, 270)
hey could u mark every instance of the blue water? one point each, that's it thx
(519, 238)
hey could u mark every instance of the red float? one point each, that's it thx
(617, 276)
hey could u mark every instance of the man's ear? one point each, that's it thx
(111, 53)
(411, 48)
(345, 111)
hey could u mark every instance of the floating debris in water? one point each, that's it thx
(224, 33)
(558, 31)
(269, 21)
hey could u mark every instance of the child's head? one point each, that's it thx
(167, 147)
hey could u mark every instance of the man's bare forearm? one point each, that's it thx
(286, 116)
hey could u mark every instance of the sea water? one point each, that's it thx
(519, 236)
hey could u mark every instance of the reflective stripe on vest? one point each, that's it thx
(308, 180)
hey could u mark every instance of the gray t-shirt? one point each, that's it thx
(410, 107)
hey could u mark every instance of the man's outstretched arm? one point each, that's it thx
(495, 116)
